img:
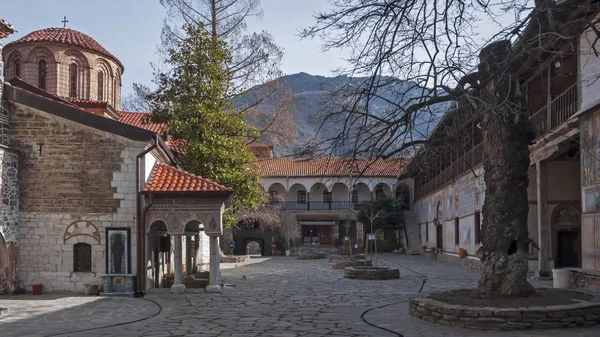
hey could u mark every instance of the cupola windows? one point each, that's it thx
(42, 74)
(73, 81)
(18, 68)
(100, 86)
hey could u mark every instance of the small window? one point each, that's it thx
(42, 74)
(327, 197)
(301, 197)
(477, 227)
(354, 196)
(73, 81)
(18, 68)
(100, 85)
(82, 257)
(456, 230)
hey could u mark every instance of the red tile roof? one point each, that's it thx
(322, 166)
(5, 28)
(166, 178)
(67, 36)
(88, 102)
(141, 120)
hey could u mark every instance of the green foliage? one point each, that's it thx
(192, 100)
(385, 212)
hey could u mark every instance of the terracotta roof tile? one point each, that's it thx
(141, 120)
(5, 28)
(67, 36)
(166, 178)
(277, 167)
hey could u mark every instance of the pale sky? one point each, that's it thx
(130, 30)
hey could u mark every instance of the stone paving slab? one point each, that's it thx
(279, 296)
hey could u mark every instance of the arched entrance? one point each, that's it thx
(160, 261)
(254, 247)
(566, 238)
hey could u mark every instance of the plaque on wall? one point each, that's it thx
(213, 224)
(117, 251)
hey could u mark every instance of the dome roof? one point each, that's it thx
(66, 36)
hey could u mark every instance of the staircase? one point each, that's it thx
(412, 233)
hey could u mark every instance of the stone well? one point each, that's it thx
(311, 256)
(371, 273)
(488, 318)
(341, 263)
(346, 257)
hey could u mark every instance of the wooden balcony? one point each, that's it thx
(556, 112)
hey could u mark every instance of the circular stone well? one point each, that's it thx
(497, 314)
(341, 263)
(311, 256)
(346, 257)
(371, 273)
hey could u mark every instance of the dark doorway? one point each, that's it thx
(568, 246)
(439, 241)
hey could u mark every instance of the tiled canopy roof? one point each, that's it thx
(141, 120)
(67, 36)
(166, 178)
(278, 167)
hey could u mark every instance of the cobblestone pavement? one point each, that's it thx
(279, 296)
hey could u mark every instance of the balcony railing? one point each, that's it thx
(315, 206)
(557, 112)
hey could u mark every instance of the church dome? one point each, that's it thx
(66, 36)
(66, 63)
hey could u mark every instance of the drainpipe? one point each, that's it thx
(141, 244)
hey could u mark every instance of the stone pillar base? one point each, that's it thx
(213, 288)
(178, 288)
(543, 275)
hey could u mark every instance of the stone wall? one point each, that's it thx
(76, 182)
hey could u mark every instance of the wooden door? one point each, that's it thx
(568, 248)
(325, 233)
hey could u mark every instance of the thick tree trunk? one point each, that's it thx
(507, 134)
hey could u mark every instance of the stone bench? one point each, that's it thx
(585, 278)
(311, 256)
(371, 273)
(488, 318)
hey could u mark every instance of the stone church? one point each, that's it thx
(91, 194)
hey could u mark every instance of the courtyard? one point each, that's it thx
(278, 296)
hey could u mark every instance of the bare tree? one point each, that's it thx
(423, 57)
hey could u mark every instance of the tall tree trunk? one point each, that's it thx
(507, 134)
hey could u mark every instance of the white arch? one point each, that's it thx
(275, 187)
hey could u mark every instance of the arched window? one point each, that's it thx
(301, 197)
(18, 68)
(100, 85)
(73, 81)
(82, 257)
(403, 195)
(42, 74)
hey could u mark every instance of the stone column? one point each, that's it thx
(178, 286)
(188, 255)
(214, 286)
(542, 219)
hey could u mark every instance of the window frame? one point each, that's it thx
(42, 74)
(79, 266)
(17, 66)
(301, 197)
(100, 86)
(73, 80)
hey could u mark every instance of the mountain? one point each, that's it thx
(311, 94)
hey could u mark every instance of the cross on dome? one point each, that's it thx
(64, 21)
